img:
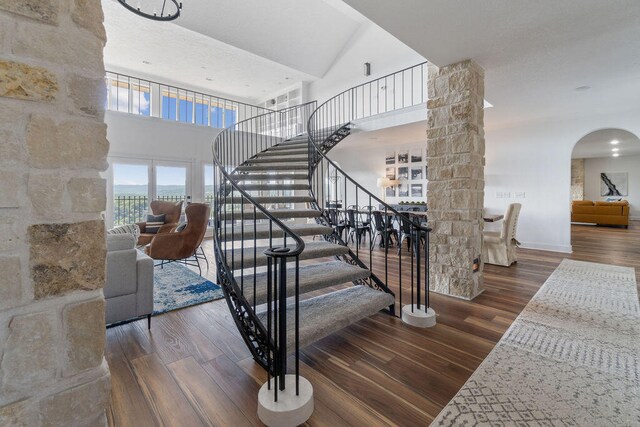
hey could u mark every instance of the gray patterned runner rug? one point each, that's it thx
(571, 358)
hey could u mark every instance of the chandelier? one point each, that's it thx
(158, 10)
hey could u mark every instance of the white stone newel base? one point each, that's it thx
(289, 410)
(418, 317)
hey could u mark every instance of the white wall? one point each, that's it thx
(134, 137)
(529, 164)
(628, 164)
(370, 44)
(535, 160)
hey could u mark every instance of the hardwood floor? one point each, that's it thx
(193, 369)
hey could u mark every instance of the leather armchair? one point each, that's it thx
(182, 244)
(172, 212)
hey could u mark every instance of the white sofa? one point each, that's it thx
(129, 287)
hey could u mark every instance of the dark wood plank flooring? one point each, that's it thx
(193, 369)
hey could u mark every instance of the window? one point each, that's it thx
(130, 96)
(202, 109)
(141, 100)
(185, 108)
(216, 117)
(169, 105)
(229, 117)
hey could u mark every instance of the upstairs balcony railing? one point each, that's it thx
(148, 98)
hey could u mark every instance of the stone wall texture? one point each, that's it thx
(577, 179)
(53, 148)
(455, 192)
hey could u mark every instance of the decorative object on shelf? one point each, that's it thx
(614, 184)
(158, 10)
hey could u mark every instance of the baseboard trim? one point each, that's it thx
(546, 247)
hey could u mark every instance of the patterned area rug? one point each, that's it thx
(175, 286)
(572, 357)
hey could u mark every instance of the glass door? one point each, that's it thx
(134, 183)
(172, 181)
(130, 192)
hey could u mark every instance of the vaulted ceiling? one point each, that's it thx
(245, 49)
(536, 54)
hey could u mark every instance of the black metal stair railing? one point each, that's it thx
(346, 204)
(236, 219)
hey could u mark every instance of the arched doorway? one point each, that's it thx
(605, 179)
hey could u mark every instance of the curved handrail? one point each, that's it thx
(228, 175)
(340, 120)
(327, 126)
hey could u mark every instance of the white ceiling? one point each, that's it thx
(303, 35)
(598, 144)
(246, 50)
(535, 53)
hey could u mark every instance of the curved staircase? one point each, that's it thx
(275, 189)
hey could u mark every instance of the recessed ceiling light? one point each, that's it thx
(583, 88)
(615, 142)
(146, 62)
(615, 154)
(615, 149)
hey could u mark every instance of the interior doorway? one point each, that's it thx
(605, 179)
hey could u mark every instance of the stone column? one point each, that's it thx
(577, 179)
(52, 251)
(455, 162)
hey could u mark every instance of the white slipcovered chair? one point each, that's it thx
(500, 246)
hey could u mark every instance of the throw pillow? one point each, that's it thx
(181, 227)
(126, 229)
(154, 222)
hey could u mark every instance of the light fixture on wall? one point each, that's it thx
(158, 10)
(385, 183)
(367, 68)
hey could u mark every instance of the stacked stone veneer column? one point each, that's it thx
(455, 192)
(577, 179)
(52, 252)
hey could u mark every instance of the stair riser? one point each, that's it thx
(270, 160)
(275, 199)
(271, 177)
(249, 233)
(267, 187)
(308, 281)
(249, 215)
(267, 168)
(279, 153)
(261, 261)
